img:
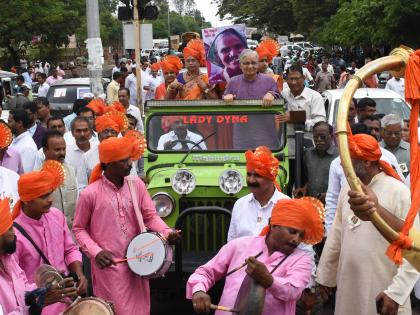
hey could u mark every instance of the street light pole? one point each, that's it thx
(94, 46)
(137, 32)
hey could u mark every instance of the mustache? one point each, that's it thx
(255, 185)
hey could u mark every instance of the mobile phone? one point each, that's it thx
(379, 305)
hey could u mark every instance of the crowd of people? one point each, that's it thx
(71, 185)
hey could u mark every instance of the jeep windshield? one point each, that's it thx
(225, 132)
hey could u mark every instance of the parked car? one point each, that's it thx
(7, 84)
(63, 93)
(252, 44)
(387, 102)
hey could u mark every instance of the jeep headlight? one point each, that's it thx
(164, 204)
(231, 182)
(183, 182)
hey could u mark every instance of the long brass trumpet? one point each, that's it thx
(396, 61)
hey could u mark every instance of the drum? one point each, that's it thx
(149, 255)
(91, 306)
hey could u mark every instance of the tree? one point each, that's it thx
(110, 26)
(183, 5)
(373, 22)
(179, 24)
(53, 21)
(270, 15)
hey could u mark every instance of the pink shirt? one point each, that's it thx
(290, 278)
(105, 220)
(53, 237)
(13, 284)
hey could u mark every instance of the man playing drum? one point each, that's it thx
(42, 233)
(13, 281)
(292, 221)
(106, 221)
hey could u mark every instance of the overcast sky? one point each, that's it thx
(209, 11)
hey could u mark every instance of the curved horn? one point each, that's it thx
(396, 61)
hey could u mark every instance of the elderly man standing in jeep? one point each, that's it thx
(253, 85)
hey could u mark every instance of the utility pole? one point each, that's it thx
(94, 46)
(138, 54)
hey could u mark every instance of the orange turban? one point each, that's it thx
(6, 220)
(303, 214)
(38, 183)
(6, 136)
(98, 105)
(171, 63)
(155, 66)
(116, 106)
(263, 163)
(365, 147)
(195, 48)
(112, 120)
(268, 48)
(113, 149)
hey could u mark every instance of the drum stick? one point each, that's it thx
(121, 260)
(223, 308)
(241, 266)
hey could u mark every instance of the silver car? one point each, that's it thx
(63, 93)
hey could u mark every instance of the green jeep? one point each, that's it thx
(195, 168)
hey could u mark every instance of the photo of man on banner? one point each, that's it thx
(223, 47)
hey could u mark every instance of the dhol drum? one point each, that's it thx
(89, 306)
(149, 255)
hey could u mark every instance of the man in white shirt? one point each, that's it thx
(180, 138)
(152, 82)
(89, 114)
(43, 86)
(123, 97)
(106, 128)
(251, 213)
(396, 84)
(19, 122)
(82, 132)
(299, 97)
(337, 179)
(8, 185)
(131, 85)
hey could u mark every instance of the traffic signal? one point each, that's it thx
(147, 10)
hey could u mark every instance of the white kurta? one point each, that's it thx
(354, 258)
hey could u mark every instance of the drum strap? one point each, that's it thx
(133, 193)
(29, 238)
(278, 265)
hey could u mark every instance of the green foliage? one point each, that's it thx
(52, 20)
(110, 26)
(343, 22)
(192, 21)
(374, 22)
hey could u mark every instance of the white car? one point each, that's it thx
(387, 102)
(252, 44)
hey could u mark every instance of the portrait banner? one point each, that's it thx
(223, 46)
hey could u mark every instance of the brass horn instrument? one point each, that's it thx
(396, 61)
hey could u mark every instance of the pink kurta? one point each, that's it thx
(13, 284)
(290, 278)
(54, 238)
(105, 220)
